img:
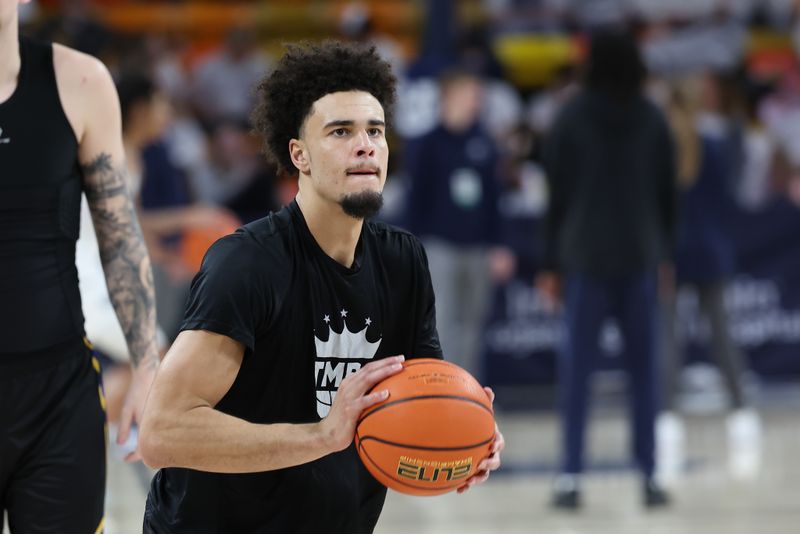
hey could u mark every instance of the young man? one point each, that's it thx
(290, 323)
(59, 135)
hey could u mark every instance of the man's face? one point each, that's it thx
(461, 103)
(344, 151)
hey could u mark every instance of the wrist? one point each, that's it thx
(326, 435)
(147, 364)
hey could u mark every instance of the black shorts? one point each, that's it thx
(52, 441)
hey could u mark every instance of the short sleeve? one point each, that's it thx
(229, 296)
(426, 339)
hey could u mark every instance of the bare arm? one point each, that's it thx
(182, 428)
(90, 102)
(124, 256)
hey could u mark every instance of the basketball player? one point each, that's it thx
(59, 135)
(290, 323)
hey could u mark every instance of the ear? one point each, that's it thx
(299, 155)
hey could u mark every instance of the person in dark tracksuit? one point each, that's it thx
(60, 136)
(608, 237)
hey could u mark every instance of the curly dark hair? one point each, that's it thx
(306, 73)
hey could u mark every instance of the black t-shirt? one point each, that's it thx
(306, 322)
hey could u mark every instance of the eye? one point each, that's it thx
(339, 132)
(374, 132)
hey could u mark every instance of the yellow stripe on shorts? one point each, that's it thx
(99, 528)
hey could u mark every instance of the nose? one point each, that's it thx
(364, 145)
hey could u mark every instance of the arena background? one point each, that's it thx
(529, 52)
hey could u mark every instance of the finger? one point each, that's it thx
(133, 457)
(463, 489)
(125, 421)
(490, 393)
(373, 367)
(368, 380)
(492, 463)
(499, 442)
(373, 398)
(478, 478)
(382, 362)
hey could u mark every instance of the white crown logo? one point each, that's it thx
(338, 358)
(347, 345)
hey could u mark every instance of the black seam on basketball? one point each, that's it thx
(423, 397)
(421, 448)
(403, 483)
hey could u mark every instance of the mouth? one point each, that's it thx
(366, 172)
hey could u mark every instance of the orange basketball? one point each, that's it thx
(431, 433)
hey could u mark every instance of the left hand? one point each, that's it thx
(134, 404)
(491, 462)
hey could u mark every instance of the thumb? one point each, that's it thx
(125, 421)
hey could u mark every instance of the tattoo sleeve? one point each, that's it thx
(126, 264)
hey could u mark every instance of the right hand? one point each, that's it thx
(339, 426)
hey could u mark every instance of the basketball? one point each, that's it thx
(430, 434)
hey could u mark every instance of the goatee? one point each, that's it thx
(362, 205)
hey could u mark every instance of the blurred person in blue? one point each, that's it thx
(608, 238)
(166, 206)
(60, 136)
(705, 260)
(452, 205)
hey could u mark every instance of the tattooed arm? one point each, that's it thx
(125, 261)
(90, 102)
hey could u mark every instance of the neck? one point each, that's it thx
(335, 232)
(10, 61)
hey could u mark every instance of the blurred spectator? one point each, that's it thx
(705, 261)
(781, 115)
(76, 26)
(452, 206)
(231, 164)
(237, 175)
(224, 84)
(545, 106)
(762, 157)
(610, 169)
(714, 43)
(166, 207)
(502, 106)
(356, 24)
